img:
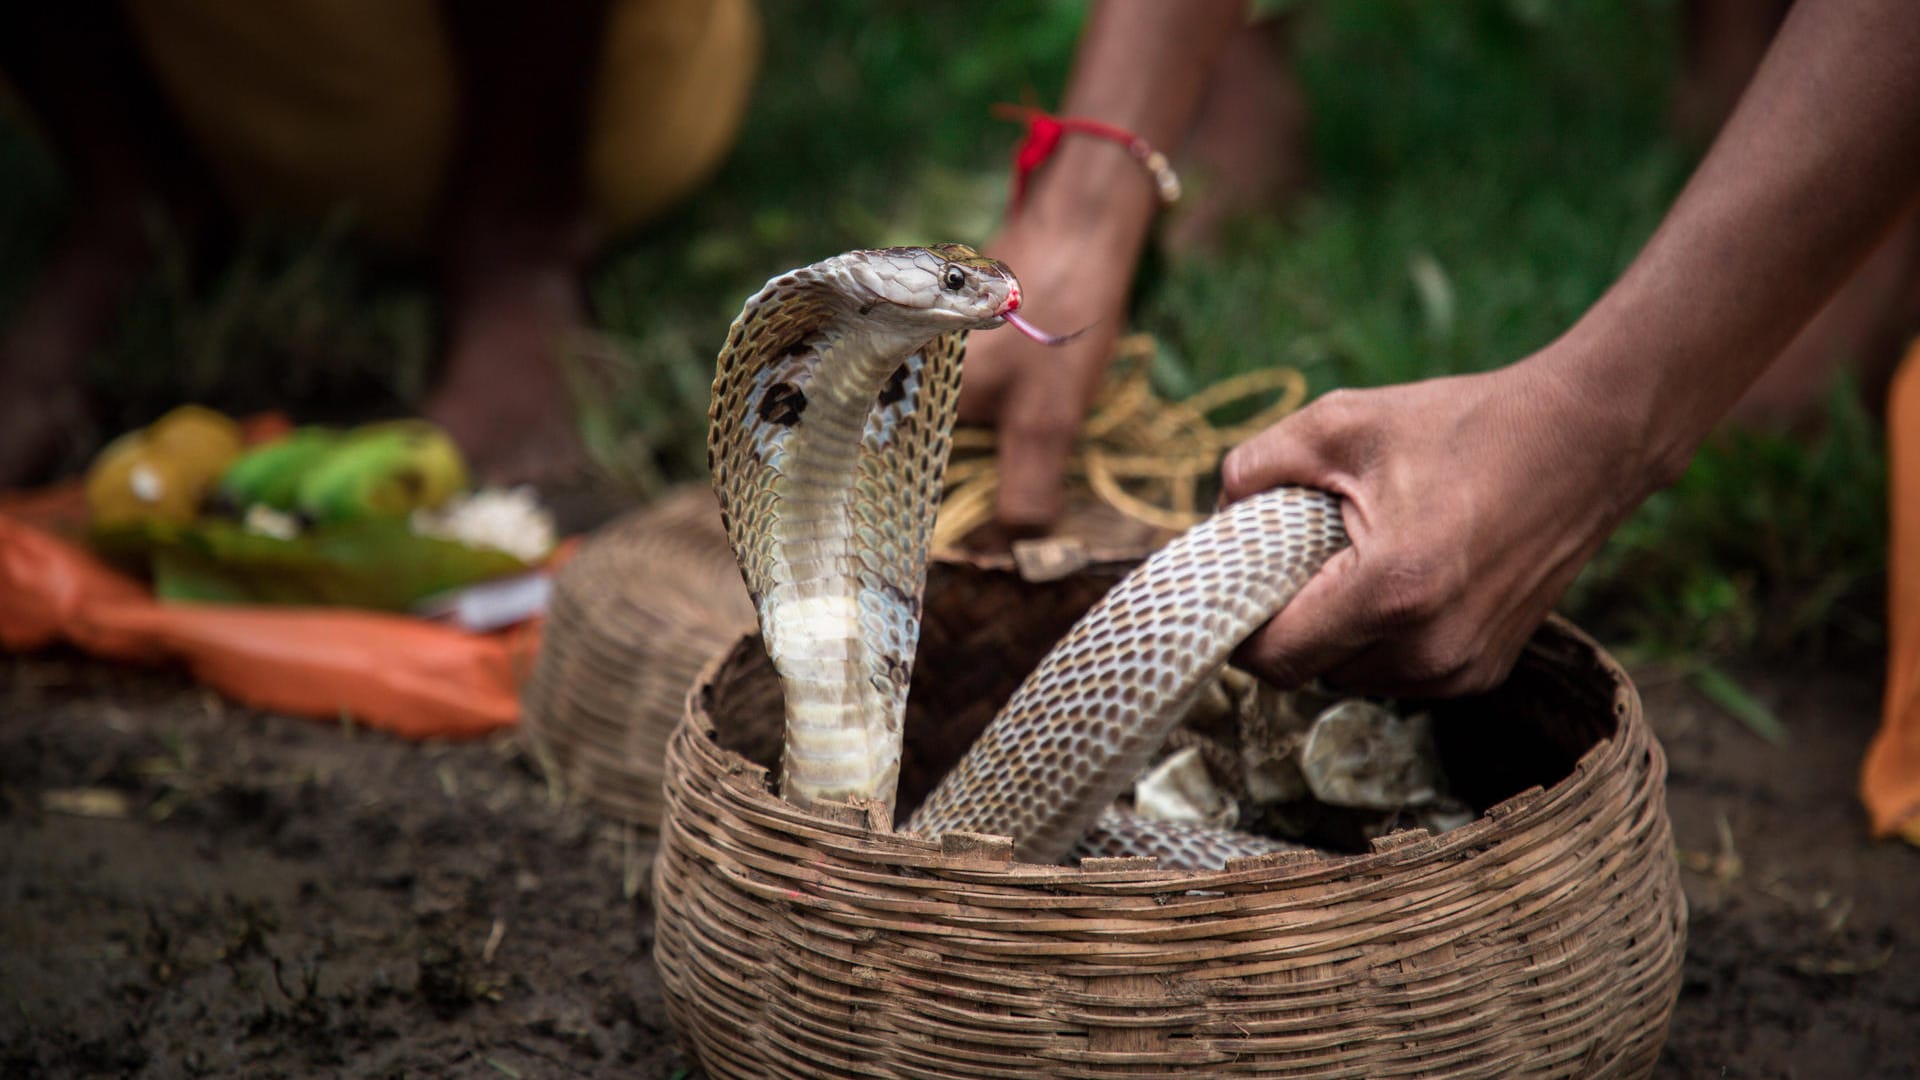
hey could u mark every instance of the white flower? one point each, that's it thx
(510, 520)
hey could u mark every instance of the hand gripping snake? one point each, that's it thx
(832, 414)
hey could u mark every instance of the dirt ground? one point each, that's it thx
(190, 888)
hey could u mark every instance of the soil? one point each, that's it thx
(192, 888)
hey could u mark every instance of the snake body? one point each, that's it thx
(831, 418)
(832, 413)
(1103, 701)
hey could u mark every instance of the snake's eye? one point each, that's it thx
(956, 279)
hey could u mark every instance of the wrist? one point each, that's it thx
(1091, 194)
(1616, 409)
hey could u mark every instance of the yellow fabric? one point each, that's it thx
(302, 106)
(674, 86)
(1890, 779)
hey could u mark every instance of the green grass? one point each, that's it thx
(1482, 180)
(1485, 169)
(1766, 547)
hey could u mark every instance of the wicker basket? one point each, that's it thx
(649, 600)
(1544, 939)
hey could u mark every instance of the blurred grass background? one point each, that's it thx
(1484, 170)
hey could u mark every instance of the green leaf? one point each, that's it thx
(376, 564)
(1721, 689)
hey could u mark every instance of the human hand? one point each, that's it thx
(1471, 503)
(1038, 395)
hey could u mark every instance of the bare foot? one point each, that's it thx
(1246, 151)
(42, 434)
(504, 396)
(43, 415)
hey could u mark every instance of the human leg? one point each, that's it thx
(80, 75)
(514, 236)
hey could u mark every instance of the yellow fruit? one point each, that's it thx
(129, 483)
(200, 441)
(163, 471)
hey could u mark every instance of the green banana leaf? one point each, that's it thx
(376, 564)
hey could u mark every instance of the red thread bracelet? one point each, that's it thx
(1043, 139)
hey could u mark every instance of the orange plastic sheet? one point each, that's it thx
(1890, 780)
(403, 675)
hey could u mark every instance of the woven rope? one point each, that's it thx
(1542, 940)
(1139, 454)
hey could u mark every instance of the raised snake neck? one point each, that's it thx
(831, 418)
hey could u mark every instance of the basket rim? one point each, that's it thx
(850, 832)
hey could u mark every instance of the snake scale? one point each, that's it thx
(832, 413)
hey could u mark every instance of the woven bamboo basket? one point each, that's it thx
(1543, 939)
(647, 602)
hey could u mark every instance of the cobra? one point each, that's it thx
(831, 418)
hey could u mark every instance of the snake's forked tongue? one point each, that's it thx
(1039, 335)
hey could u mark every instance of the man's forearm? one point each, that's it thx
(1813, 167)
(1142, 66)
